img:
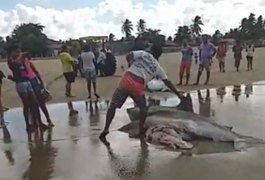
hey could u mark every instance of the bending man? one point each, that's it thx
(142, 68)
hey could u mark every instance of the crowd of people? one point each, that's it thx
(143, 66)
(207, 52)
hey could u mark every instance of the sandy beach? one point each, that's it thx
(52, 75)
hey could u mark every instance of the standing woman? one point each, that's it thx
(37, 85)
(250, 53)
(24, 88)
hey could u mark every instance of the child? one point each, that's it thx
(250, 52)
(220, 55)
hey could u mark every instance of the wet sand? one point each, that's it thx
(73, 151)
(51, 72)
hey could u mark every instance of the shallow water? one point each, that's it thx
(72, 150)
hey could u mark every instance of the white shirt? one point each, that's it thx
(250, 51)
(101, 57)
(144, 65)
(88, 60)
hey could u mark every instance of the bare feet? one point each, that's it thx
(50, 124)
(195, 84)
(69, 95)
(3, 109)
(103, 139)
(44, 126)
(97, 96)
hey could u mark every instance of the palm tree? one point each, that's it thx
(169, 38)
(196, 26)
(216, 37)
(183, 34)
(141, 26)
(127, 28)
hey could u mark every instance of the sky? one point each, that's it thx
(64, 19)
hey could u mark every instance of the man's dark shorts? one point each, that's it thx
(69, 77)
(249, 58)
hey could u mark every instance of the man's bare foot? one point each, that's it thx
(206, 83)
(70, 95)
(97, 96)
(44, 126)
(30, 129)
(73, 112)
(50, 124)
(195, 84)
(3, 108)
(103, 139)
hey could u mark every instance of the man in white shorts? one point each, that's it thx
(250, 53)
(89, 70)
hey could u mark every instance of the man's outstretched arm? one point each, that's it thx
(170, 85)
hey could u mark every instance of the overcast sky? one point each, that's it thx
(76, 18)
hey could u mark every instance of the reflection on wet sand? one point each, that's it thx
(123, 167)
(7, 140)
(236, 92)
(94, 113)
(42, 158)
(205, 103)
(248, 90)
(221, 92)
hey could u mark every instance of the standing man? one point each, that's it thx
(142, 68)
(250, 53)
(68, 70)
(87, 57)
(220, 55)
(207, 52)
(186, 61)
(237, 49)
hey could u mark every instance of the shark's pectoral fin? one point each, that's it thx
(229, 127)
(183, 144)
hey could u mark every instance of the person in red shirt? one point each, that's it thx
(220, 55)
(22, 75)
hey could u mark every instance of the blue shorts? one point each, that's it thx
(35, 84)
(24, 87)
(90, 75)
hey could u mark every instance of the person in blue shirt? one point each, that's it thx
(207, 52)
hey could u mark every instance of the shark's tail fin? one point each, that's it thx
(247, 142)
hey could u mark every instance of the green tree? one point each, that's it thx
(196, 29)
(183, 34)
(31, 38)
(169, 38)
(2, 47)
(127, 28)
(217, 36)
(75, 48)
(141, 26)
(260, 28)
